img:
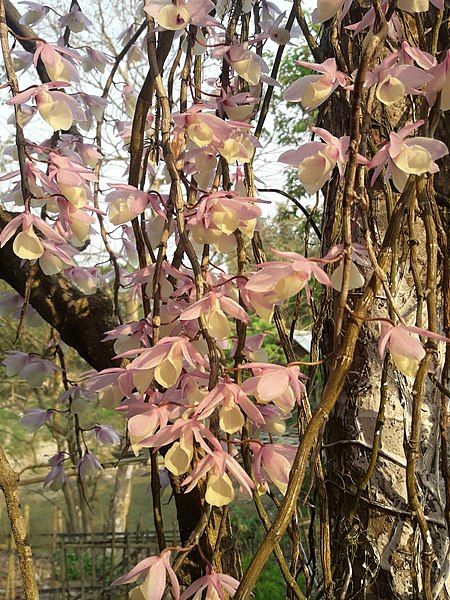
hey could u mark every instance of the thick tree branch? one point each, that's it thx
(80, 320)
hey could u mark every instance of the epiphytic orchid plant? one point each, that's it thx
(182, 232)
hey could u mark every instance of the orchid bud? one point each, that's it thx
(35, 418)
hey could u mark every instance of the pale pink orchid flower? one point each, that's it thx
(282, 280)
(403, 156)
(219, 487)
(415, 6)
(56, 477)
(57, 66)
(126, 202)
(359, 256)
(327, 9)
(95, 59)
(406, 351)
(204, 128)
(216, 307)
(155, 569)
(143, 420)
(130, 336)
(88, 465)
(271, 29)
(395, 31)
(219, 214)
(85, 278)
(312, 90)
(409, 54)
(55, 257)
(440, 83)
(104, 434)
(237, 107)
(393, 81)
(164, 362)
(35, 418)
(58, 109)
(35, 13)
(216, 585)
(275, 462)
(233, 404)
(75, 20)
(315, 161)
(180, 15)
(246, 63)
(275, 383)
(26, 244)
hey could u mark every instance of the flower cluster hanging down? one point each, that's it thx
(188, 376)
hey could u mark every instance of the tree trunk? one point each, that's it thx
(378, 549)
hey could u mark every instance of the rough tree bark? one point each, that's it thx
(378, 551)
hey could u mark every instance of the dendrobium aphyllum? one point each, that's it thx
(312, 90)
(179, 15)
(219, 214)
(57, 66)
(406, 351)
(127, 202)
(164, 362)
(233, 405)
(274, 461)
(219, 487)
(440, 83)
(315, 161)
(59, 110)
(155, 569)
(215, 307)
(275, 383)
(395, 81)
(327, 9)
(403, 156)
(26, 244)
(282, 280)
(215, 584)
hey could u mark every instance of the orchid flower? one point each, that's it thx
(88, 465)
(275, 460)
(415, 6)
(405, 350)
(394, 81)
(215, 307)
(95, 59)
(219, 487)
(282, 280)
(275, 383)
(215, 584)
(26, 244)
(127, 202)
(164, 362)
(35, 418)
(180, 15)
(219, 214)
(327, 9)
(404, 156)
(59, 110)
(155, 569)
(85, 278)
(316, 160)
(56, 477)
(440, 83)
(75, 20)
(312, 90)
(233, 404)
(58, 68)
(35, 13)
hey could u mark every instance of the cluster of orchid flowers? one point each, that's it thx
(163, 388)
